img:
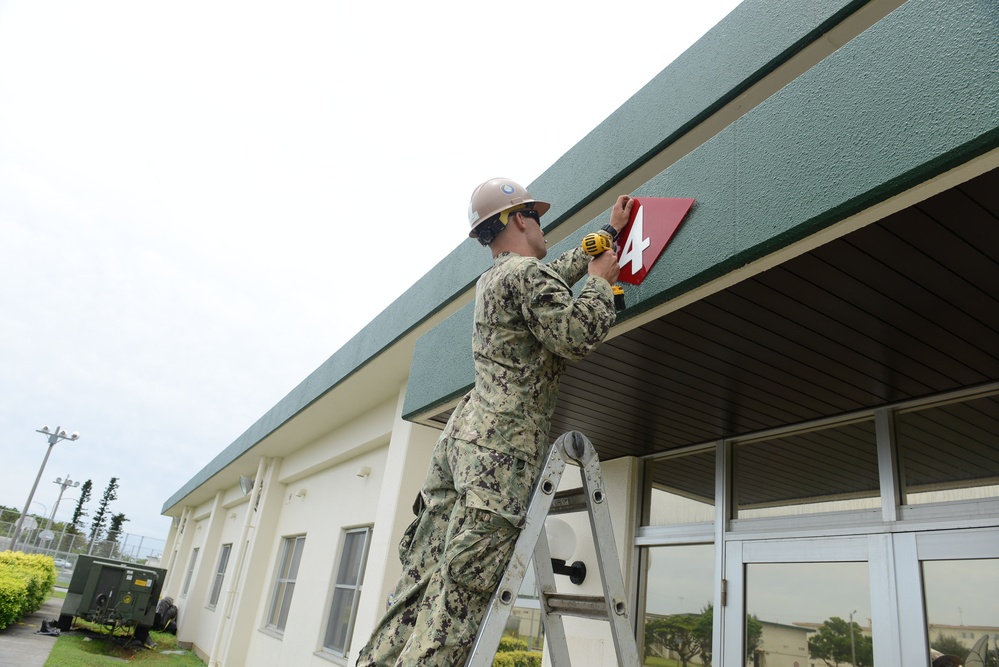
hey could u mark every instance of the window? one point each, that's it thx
(284, 586)
(350, 574)
(682, 489)
(219, 575)
(950, 452)
(832, 469)
(190, 572)
(961, 608)
(679, 612)
(801, 611)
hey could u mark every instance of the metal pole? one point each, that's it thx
(54, 437)
(31, 496)
(62, 489)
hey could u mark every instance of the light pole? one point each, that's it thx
(63, 485)
(53, 437)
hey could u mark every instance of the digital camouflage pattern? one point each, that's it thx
(474, 500)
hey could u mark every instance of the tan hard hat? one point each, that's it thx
(497, 195)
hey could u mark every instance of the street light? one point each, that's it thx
(63, 485)
(53, 437)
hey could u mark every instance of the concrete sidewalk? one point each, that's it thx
(19, 645)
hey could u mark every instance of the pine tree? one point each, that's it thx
(115, 526)
(114, 532)
(97, 526)
(79, 512)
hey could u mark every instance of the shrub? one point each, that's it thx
(508, 643)
(25, 583)
(517, 659)
(13, 597)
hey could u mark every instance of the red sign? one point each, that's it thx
(653, 223)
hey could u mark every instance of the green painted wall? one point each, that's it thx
(913, 96)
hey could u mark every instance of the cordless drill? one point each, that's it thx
(596, 243)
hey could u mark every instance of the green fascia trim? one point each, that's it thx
(749, 43)
(914, 95)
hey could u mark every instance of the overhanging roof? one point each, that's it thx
(903, 308)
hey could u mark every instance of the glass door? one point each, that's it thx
(949, 597)
(919, 599)
(798, 603)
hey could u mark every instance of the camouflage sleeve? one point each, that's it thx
(570, 327)
(571, 265)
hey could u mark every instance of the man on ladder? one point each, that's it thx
(474, 500)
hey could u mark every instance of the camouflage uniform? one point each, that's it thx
(473, 502)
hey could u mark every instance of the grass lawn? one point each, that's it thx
(87, 645)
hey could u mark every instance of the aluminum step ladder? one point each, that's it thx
(611, 607)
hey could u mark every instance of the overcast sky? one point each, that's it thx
(200, 202)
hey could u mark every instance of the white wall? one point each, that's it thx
(313, 490)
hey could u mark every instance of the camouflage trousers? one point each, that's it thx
(469, 513)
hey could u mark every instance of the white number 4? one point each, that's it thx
(635, 245)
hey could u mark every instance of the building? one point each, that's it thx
(798, 414)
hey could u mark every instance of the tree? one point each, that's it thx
(754, 634)
(115, 526)
(951, 646)
(705, 628)
(97, 525)
(837, 641)
(114, 530)
(8, 514)
(677, 633)
(79, 512)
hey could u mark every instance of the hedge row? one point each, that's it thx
(518, 659)
(513, 652)
(26, 581)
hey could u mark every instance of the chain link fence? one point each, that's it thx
(67, 542)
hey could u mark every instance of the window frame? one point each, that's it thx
(338, 588)
(223, 563)
(190, 571)
(886, 534)
(284, 584)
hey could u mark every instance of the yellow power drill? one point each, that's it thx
(596, 243)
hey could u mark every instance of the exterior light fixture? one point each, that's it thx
(562, 544)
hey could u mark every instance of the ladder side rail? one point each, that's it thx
(555, 639)
(505, 595)
(622, 630)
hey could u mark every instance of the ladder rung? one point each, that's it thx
(583, 606)
(568, 501)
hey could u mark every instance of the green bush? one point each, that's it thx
(517, 659)
(26, 581)
(508, 643)
(13, 597)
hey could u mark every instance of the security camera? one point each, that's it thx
(62, 433)
(76, 434)
(45, 429)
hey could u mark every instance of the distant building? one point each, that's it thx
(782, 646)
(968, 635)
